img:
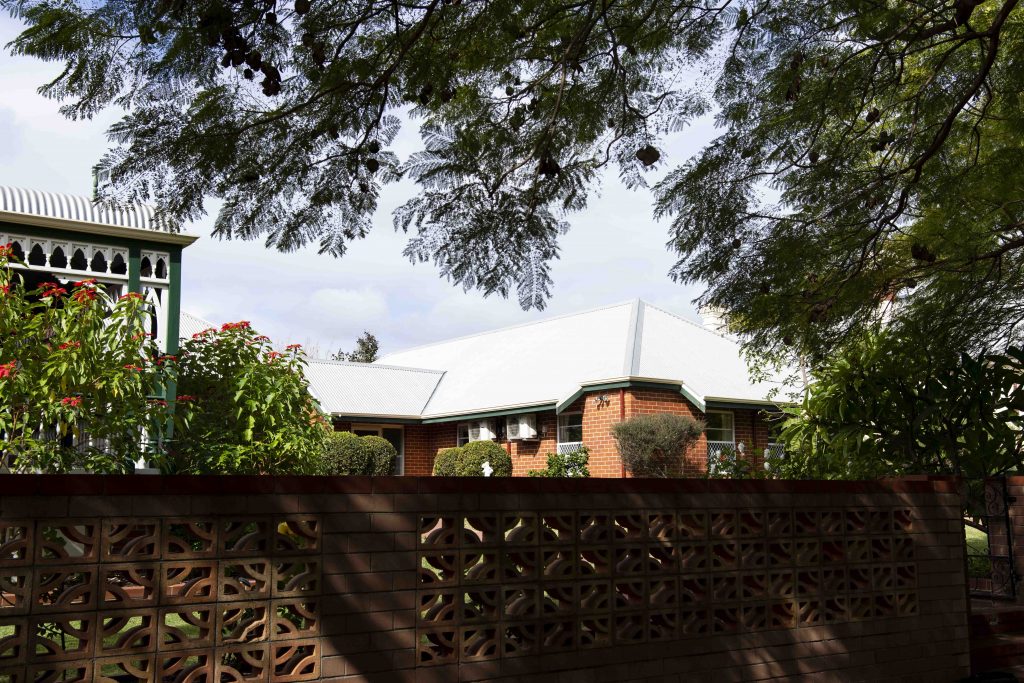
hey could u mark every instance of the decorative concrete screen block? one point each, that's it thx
(149, 599)
(407, 580)
(496, 584)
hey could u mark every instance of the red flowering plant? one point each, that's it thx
(77, 373)
(244, 408)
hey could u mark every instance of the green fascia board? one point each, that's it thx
(490, 413)
(71, 236)
(627, 384)
(370, 419)
(743, 405)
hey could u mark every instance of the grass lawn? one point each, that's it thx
(978, 564)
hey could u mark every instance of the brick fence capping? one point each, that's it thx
(114, 485)
(436, 580)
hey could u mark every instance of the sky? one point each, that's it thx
(614, 250)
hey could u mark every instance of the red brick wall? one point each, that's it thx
(651, 580)
(422, 442)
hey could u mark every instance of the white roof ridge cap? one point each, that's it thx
(382, 366)
(691, 322)
(484, 333)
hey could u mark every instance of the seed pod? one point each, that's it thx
(648, 155)
(922, 253)
(301, 7)
(308, 38)
(911, 283)
(271, 18)
(254, 60)
(548, 167)
(425, 93)
(873, 116)
(447, 94)
(509, 90)
(787, 340)
(747, 153)
(737, 243)
(332, 130)
(373, 146)
(363, 187)
(764, 288)
(225, 61)
(372, 165)
(248, 74)
(611, 123)
(813, 156)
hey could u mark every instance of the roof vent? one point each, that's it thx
(715, 319)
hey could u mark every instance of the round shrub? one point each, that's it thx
(382, 456)
(654, 445)
(345, 453)
(475, 453)
(446, 462)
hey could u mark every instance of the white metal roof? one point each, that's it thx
(548, 361)
(370, 389)
(189, 325)
(78, 212)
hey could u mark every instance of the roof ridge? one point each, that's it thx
(512, 327)
(382, 366)
(690, 322)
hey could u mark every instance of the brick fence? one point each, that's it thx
(424, 579)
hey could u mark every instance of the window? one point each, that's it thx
(463, 434)
(478, 430)
(570, 428)
(719, 426)
(394, 436)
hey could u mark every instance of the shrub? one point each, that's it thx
(446, 462)
(382, 456)
(78, 364)
(468, 460)
(475, 453)
(244, 408)
(572, 464)
(348, 454)
(653, 445)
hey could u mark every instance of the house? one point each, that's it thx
(124, 248)
(551, 386)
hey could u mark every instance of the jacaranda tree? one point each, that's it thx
(867, 151)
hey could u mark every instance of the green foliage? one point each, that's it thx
(348, 454)
(446, 462)
(653, 445)
(383, 456)
(244, 408)
(366, 350)
(572, 464)
(468, 460)
(892, 405)
(474, 454)
(868, 150)
(80, 365)
(734, 465)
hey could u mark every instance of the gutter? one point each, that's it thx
(98, 228)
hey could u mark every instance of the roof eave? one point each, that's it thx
(181, 239)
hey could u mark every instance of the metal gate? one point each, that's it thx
(989, 535)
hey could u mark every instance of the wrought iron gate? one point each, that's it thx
(990, 566)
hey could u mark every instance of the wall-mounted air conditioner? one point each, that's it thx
(521, 427)
(481, 431)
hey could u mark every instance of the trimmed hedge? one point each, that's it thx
(653, 445)
(348, 454)
(468, 460)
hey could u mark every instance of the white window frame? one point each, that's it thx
(378, 430)
(560, 430)
(732, 425)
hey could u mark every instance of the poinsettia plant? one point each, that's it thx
(244, 408)
(80, 377)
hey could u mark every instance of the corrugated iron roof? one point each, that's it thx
(370, 389)
(189, 325)
(82, 209)
(548, 361)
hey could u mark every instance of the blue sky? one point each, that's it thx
(614, 250)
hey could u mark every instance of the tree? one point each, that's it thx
(348, 454)
(884, 407)
(654, 445)
(868, 151)
(572, 464)
(79, 377)
(366, 350)
(244, 408)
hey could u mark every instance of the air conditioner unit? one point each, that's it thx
(481, 431)
(520, 427)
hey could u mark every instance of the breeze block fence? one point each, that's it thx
(204, 579)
